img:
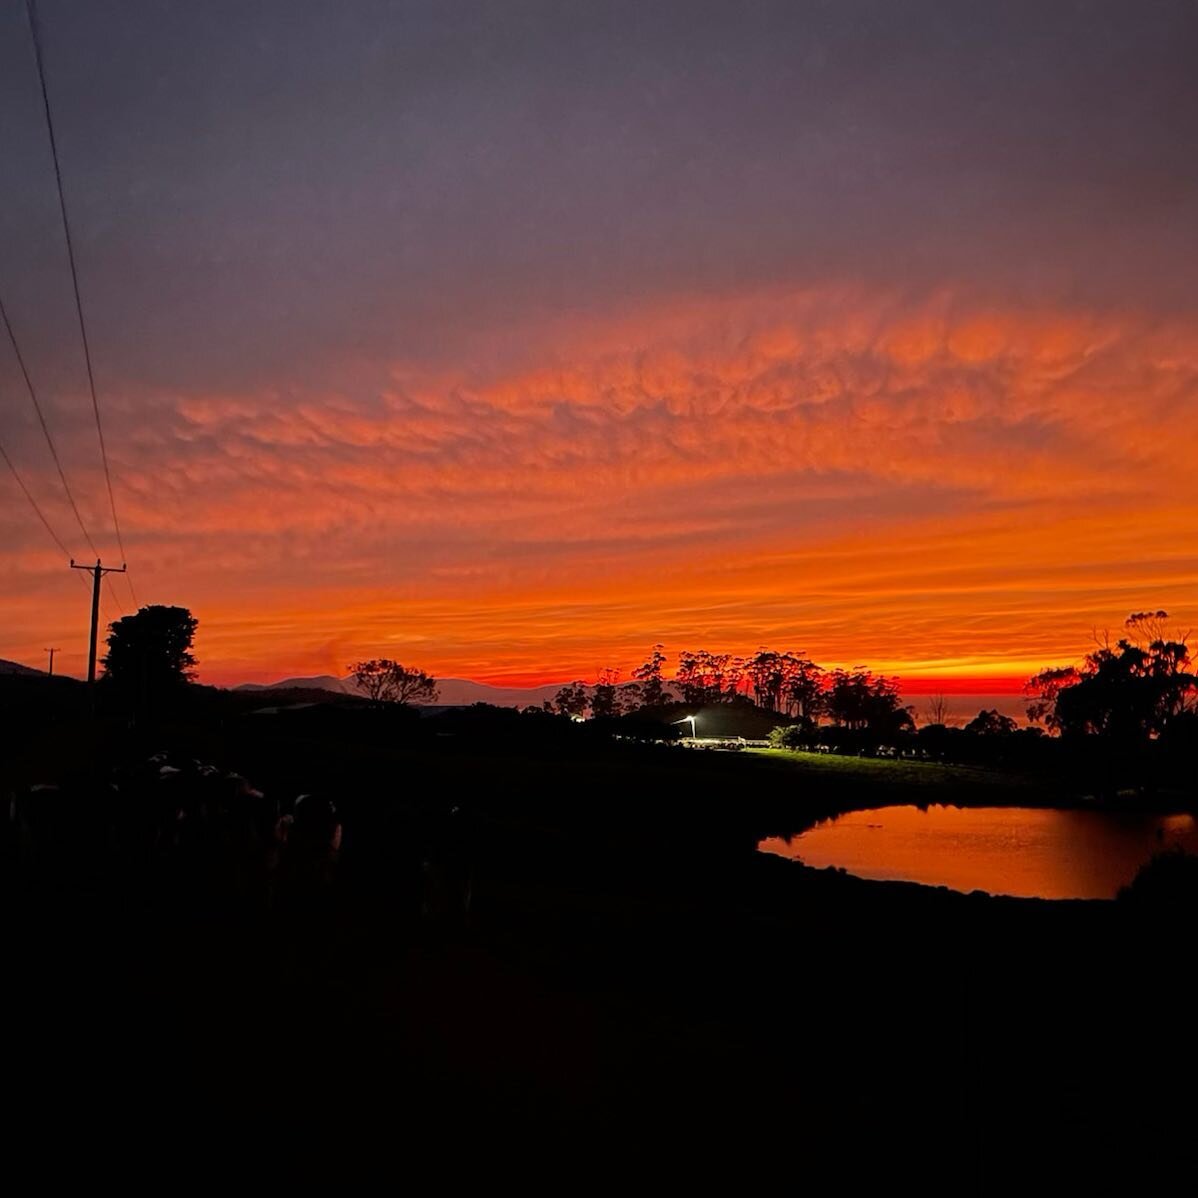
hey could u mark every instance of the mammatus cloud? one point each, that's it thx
(931, 485)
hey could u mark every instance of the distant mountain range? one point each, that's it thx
(452, 692)
(462, 692)
(323, 682)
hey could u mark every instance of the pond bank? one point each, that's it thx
(966, 827)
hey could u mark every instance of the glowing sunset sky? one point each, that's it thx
(508, 339)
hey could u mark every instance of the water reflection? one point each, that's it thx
(1004, 850)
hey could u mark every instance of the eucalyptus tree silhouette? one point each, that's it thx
(647, 677)
(382, 680)
(865, 702)
(1128, 692)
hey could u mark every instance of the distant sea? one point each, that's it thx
(962, 708)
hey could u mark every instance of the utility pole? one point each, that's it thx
(51, 652)
(97, 572)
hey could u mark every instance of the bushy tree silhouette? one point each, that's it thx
(991, 722)
(149, 653)
(1128, 692)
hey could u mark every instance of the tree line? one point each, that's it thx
(1134, 689)
(1129, 691)
(787, 683)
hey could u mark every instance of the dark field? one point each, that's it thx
(563, 958)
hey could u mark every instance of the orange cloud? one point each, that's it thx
(936, 488)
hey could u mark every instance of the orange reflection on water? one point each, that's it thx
(1031, 852)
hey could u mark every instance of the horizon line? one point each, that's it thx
(955, 684)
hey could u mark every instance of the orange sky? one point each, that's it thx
(509, 340)
(937, 487)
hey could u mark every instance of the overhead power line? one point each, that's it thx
(31, 10)
(112, 593)
(33, 503)
(57, 462)
(41, 416)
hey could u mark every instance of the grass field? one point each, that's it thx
(878, 781)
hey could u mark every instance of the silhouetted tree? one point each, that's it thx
(863, 702)
(149, 654)
(382, 680)
(991, 723)
(764, 671)
(733, 675)
(937, 709)
(648, 677)
(705, 677)
(606, 698)
(572, 700)
(1128, 692)
(785, 682)
(1042, 692)
(802, 687)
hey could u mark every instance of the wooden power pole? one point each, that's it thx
(51, 652)
(97, 572)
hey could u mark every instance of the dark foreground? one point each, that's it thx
(569, 967)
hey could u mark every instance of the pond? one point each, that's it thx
(1027, 851)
